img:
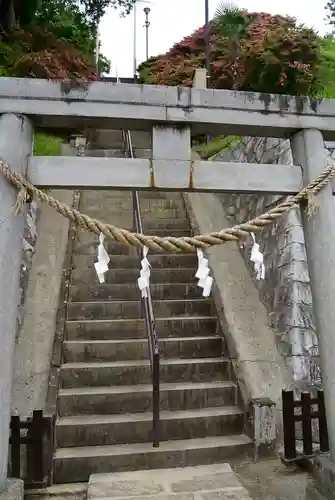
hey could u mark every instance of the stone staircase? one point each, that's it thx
(104, 405)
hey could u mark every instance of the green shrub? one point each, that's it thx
(47, 145)
(249, 51)
(326, 75)
(37, 54)
(214, 146)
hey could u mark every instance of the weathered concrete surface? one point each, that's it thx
(272, 480)
(137, 107)
(319, 230)
(15, 146)
(259, 367)
(33, 350)
(14, 490)
(286, 291)
(29, 241)
(324, 472)
(74, 491)
(212, 482)
(161, 172)
(103, 378)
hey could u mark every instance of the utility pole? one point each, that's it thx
(135, 42)
(207, 52)
(207, 41)
(97, 49)
(147, 24)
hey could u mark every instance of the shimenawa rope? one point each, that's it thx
(167, 243)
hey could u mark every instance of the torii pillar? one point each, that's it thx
(308, 150)
(16, 141)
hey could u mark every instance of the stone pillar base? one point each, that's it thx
(324, 472)
(14, 490)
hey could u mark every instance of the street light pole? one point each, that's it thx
(135, 42)
(135, 37)
(147, 24)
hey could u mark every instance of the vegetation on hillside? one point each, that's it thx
(254, 52)
(326, 74)
(52, 38)
(248, 51)
(23, 12)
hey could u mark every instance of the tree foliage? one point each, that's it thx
(36, 53)
(23, 12)
(330, 12)
(95, 9)
(66, 21)
(248, 51)
(52, 38)
(326, 76)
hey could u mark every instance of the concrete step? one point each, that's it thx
(153, 194)
(120, 198)
(150, 224)
(159, 227)
(124, 309)
(159, 291)
(90, 247)
(77, 464)
(157, 261)
(119, 153)
(139, 372)
(161, 201)
(129, 328)
(100, 193)
(102, 430)
(163, 227)
(88, 237)
(136, 349)
(110, 213)
(105, 139)
(204, 482)
(162, 232)
(108, 200)
(138, 398)
(172, 275)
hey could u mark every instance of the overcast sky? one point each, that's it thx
(173, 19)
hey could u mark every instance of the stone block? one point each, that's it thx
(14, 490)
(324, 470)
(226, 494)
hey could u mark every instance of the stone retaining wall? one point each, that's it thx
(286, 291)
(28, 250)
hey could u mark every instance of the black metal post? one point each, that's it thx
(147, 24)
(207, 62)
(207, 41)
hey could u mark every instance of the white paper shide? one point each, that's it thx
(202, 274)
(144, 279)
(101, 266)
(258, 259)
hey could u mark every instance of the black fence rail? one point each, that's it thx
(153, 342)
(304, 412)
(31, 449)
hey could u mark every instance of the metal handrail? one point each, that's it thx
(148, 316)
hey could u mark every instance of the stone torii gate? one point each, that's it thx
(172, 114)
